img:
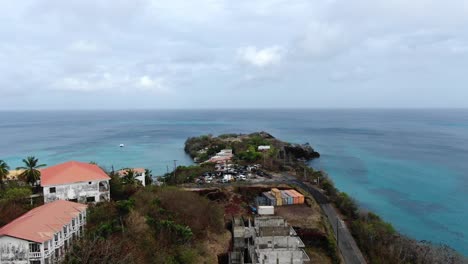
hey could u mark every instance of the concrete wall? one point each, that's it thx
(13, 250)
(79, 191)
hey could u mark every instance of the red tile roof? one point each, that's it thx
(41, 223)
(70, 172)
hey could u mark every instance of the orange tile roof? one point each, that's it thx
(41, 223)
(123, 172)
(70, 172)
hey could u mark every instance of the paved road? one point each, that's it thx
(349, 250)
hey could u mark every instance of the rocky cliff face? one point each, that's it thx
(304, 151)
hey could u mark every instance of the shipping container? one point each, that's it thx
(287, 199)
(279, 202)
(261, 200)
(271, 200)
(276, 192)
(266, 210)
(294, 196)
(301, 197)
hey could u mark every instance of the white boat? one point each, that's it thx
(121, 145)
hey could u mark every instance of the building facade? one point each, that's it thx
(75, 181)
(42, 235)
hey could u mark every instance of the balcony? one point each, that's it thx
(59, 243)
(103, 187)
(35, 255)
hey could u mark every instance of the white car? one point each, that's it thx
(241, 177)
(208, 178)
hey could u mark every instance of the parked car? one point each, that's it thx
(224, 180)
(241, 177)
(208, 178)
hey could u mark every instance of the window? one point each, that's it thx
(52, 190)
(73, 200)
(90, 182)
(73, 222)
(34, 247)
(90, 199)
(35, 262)
(56, 237)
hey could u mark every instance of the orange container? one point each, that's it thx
(294, 196)
(300, 196)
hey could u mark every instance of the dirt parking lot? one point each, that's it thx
(301, 215)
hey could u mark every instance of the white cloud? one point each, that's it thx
(147, 83)
(111, 82)
(321, 40)
(261, 57)
(84, 46)
(132, 49)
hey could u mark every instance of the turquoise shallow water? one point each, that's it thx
(409, 166)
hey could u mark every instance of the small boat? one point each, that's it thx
(121, 145)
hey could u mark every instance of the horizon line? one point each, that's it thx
(236, 109)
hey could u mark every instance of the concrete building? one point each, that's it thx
(270, 240)
(42, 235)
(140, 174)
(75, 181)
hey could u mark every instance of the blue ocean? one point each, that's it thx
(408, 166)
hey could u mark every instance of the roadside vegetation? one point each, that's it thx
(187, 174)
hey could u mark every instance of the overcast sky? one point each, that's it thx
(97, 54)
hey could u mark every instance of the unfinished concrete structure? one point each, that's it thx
(269, 240)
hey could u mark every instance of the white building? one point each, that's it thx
(263, 148)
(75, 181)
(140, 174)
(42, 235)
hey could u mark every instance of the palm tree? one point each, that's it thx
(148, 177)
(4, 170)
(129, 177)
(31, 174)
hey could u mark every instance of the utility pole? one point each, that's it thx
(305, 172)
(175, 167)
(167, 169)
(337, 233)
